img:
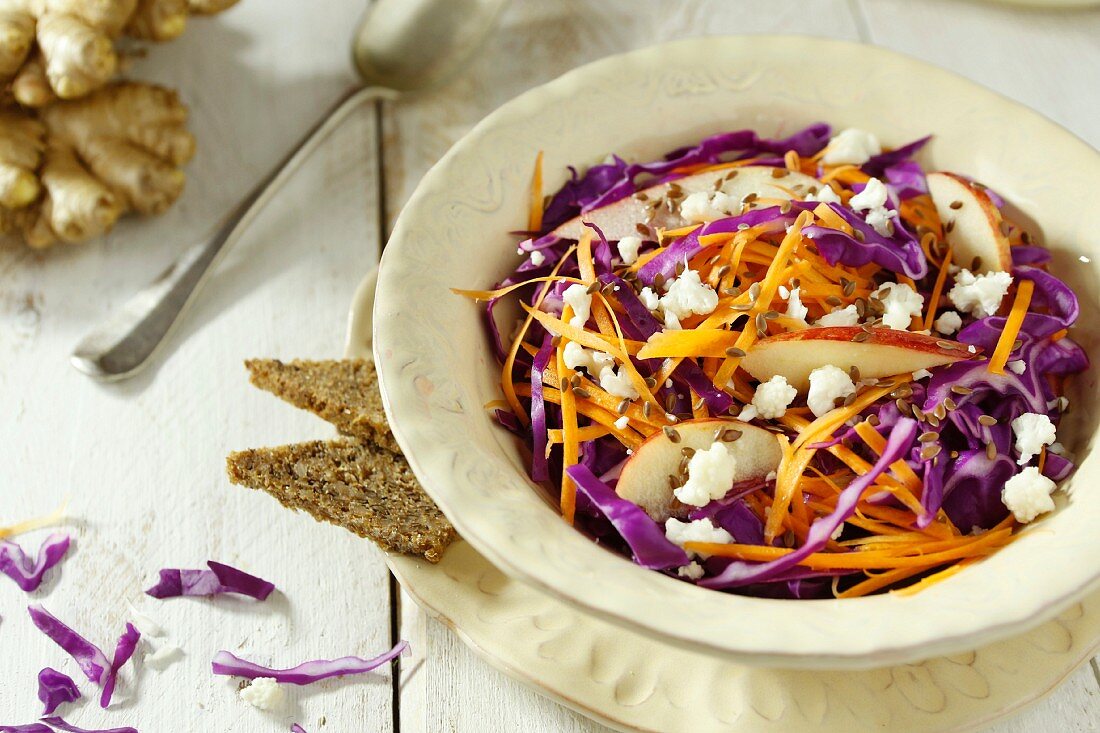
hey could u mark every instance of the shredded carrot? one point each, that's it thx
(1012, 327)
(534, 217)
(937, 290)
(877, 443)
(569, 434)
(1059, 335)
(693, 343)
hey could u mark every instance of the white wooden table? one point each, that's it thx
(143, 461)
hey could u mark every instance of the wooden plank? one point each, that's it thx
(144, 461)
(446, 687)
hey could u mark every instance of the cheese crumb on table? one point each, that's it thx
(264, 693)
(710, 475)
(948, 323)
(628, 249)
(773, 397)
(828, 384)
(980, 295)
(700, 530)
(851, 147)
(579, 299)
(1027, 494)
(1032, 431)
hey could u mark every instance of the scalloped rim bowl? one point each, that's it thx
(437, 372)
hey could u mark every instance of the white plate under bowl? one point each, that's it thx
(437, 371)
(632, 682)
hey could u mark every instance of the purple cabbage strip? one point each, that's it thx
(124, 649)
(297, 729)
(606, 183)
(601, 252)
(645, 537)
(740, 573)
(55, 688)
(218, 579)
(972, 489)
(906, 179)
(89, 657)
(305, 673)
(540, 470)
(1051, 293)
(28, 728)
(1029, 255)
(26, 573)
(878, 164)
(61, 725)
(900, 253)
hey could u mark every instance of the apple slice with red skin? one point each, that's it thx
(644, 478)
(621, 218)
(881, 352)
(974, 223)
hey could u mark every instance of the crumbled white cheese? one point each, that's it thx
(1032, 431)
(873, 196)
(980, 295)
(851, 147)
(795, 308)
(828, 384)
(700, 530)
(921, 374)
(594, 362)
(900, 304)
(580, 300)
(773, 397)
(784, 292)
(672, 323)
(617, 383)
(948, 323)
(1084, 259)
(837, 532)
(698, 208)
(1027, 494)
(846, 316)
(710, 475)
(748, 413)
(686, 295)
(872, 199)
(264, 693)
(147, 626)
(1057, 448)
(622, 423)
(1017, 365)
(537, 258)
(649, 298)
(628, 249)
(825, 194)
(691, 571)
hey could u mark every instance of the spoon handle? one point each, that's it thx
(119, 347)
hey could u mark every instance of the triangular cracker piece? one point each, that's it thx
(345, 393)
(362, 487)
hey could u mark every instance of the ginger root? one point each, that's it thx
(52, 49)
(70, 170)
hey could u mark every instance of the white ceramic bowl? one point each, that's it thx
(437, 371)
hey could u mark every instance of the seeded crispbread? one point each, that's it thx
(345, 393)
(362, 487)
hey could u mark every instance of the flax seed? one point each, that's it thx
(581, 392)
(735, 353)
(671, 434)
(987, 420)
(623, 407)
(930, 451)
(990, 450)
(929, 437)
(956, 204)
(861, 337)
(730, 435)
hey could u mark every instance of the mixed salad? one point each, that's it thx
(791, 368)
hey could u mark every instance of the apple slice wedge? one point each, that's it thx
(883, 352)
(644, 478)
(621, 218)
(971, 222)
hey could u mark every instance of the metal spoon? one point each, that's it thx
(400, 46)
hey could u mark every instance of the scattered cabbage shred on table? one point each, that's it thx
(791, 368)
